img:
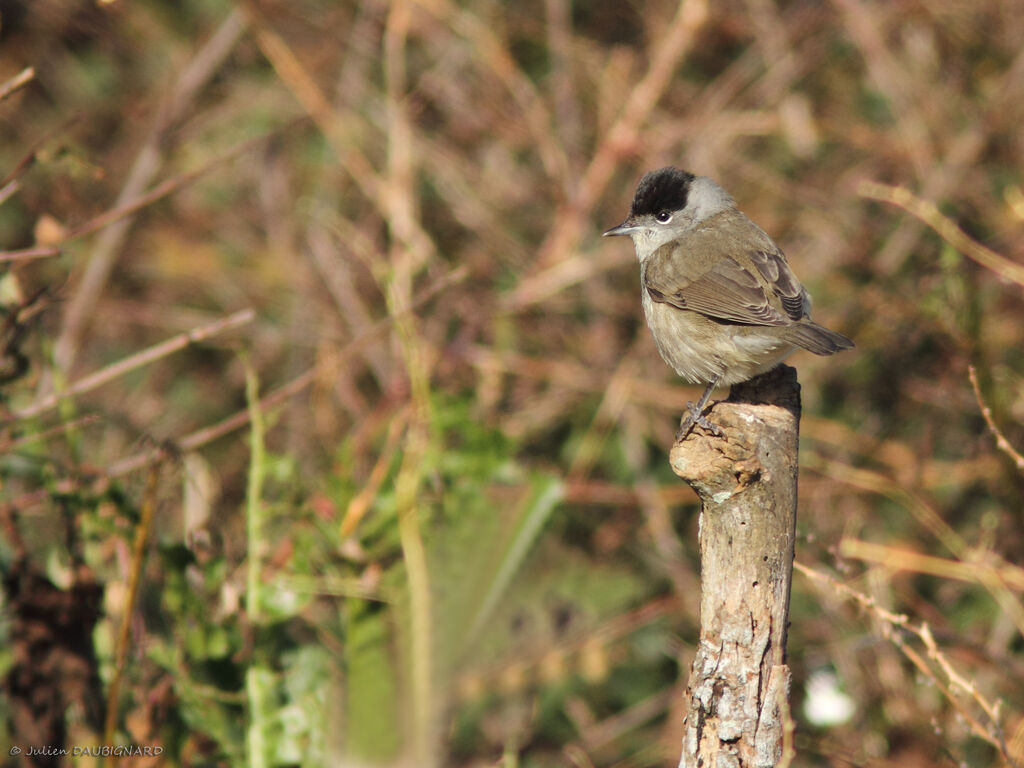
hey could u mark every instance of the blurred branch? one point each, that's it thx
(993, 733)
(961, 154)
(238, 420)
(7, 190)
(565, 91)
(929, 213)
(9, 445)
(410, 247)
(497, 57)
(119, 212)
(328, 120)
(360, 502)
(208, 434)
(132, 362)
(904, 464)
(165, 188)
(20, 80)
(1001, 442)
(866, 24)
(620, 138)
(933, 521)
(148, 162)
(26, 254)
(142, 530)
(876, 482)
(907, 560)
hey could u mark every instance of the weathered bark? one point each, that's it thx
(739, 683)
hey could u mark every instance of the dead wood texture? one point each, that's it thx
(738, 692)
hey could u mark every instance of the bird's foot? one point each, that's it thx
(694, 418)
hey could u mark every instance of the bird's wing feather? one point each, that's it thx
(728, 290)
(773, 267)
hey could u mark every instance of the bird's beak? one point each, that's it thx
(627, 227)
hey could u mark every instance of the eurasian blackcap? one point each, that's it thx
(718, 295)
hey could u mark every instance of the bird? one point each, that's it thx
(718, 295)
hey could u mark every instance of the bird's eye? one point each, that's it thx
(663, 216)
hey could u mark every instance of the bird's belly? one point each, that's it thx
(699, 349)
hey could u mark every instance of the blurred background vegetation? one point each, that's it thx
(331, 433)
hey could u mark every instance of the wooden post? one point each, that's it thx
(738, 691)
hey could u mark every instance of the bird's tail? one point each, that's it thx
(816, 338)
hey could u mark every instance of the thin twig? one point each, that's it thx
(624, 133)
(25, 254)
(208, 434)
(360, 503)
(201, 437)
(147, 164)
(60, 429)
(165, 188)
(128, 607)
(327, 119)
(898, 559)
(931, 519)
(20, 80)
(993, 734)
(1001, 442)
(8, 189)
(928, 212)
(496, 56)
(132, 362)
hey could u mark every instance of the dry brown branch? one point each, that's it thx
(46, 434)
(20, 80)
(867, 27)
(132, 362)
(946, 173)
(305, 90)
(334, 124)
(142, 531)
(163, 189)
(7, 190)
(147, 164)
(337, 276)
(238, 420)
(497, 57)
(886, 486)
(897, 559)
(208, 434)
(992, 732)
(905, 465)
(929, 213)
(1001, 442)
(361, 502)
(574, 375)
(27, 254)
(930, 518)
(554, 275)
(564, 89)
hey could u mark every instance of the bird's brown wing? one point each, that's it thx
(775, 270)
(726, 291)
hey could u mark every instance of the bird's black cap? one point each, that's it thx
(665, 189)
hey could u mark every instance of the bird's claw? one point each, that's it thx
(695, 418)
